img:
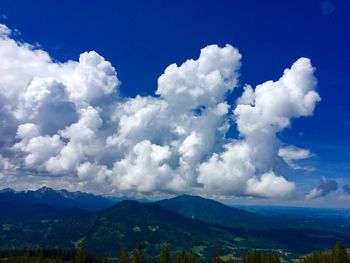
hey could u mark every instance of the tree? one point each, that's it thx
(41, 257)
(165, 255)
(217, 258)
(184, 257)
(137, 256)
(123, 256)
(340, 254)
(27, 255)
(194, 259)
(81, 255)
(229, 260)
(258, 257)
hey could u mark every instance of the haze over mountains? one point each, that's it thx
(59, 218)
(55, 198)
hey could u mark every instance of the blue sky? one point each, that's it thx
(141, 38)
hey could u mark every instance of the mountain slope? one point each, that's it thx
(126, 224)
(153, 226)
(214, 212)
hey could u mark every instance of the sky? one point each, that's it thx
(241, 101)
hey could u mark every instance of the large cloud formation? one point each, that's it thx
(67, 120)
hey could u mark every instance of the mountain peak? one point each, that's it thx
(128, 202)
(188, 196)
(7, 190)
(44, 189)
(210, 211)
(195, 199)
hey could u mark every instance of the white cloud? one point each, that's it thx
(324, 188)
(68, 119)
(227, 172)
(4, 31)
(145, 169)
(82, 142)
(27, 131)
(260, 114)
(273, 104)
(46, 103)
(39, 149)
(5, 164)
(290, 154)
(7, 169)
(269, 185)
(202, 82)
(91, 80)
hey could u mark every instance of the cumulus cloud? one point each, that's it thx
(5, 164)
(270, 185)
(290, 154)
(260, 114)
(202, 82)
(324, 188)
(68, 119)
(4, 31)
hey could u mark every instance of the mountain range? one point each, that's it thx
(59, 218)
(56, 198)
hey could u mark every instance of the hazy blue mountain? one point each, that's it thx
(326, 219)
(54, 198)
(335, 213)
(117, 199)
(214, 212)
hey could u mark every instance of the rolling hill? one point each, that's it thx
(214, 212)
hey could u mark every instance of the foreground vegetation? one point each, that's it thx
(81, 255)
(337, 255)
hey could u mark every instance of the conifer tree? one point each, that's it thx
(194, 259)
(123, 256)
(340, 254)
(137, 256)
(217, 258)
(183, 257)
(165, 255)
(27, 255)
(41, 257)
(81, 255)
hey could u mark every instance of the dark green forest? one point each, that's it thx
(338, 255)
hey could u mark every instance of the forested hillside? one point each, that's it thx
(81, 255)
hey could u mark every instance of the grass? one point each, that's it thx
(199, 250)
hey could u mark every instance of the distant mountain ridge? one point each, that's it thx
(55, 198)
